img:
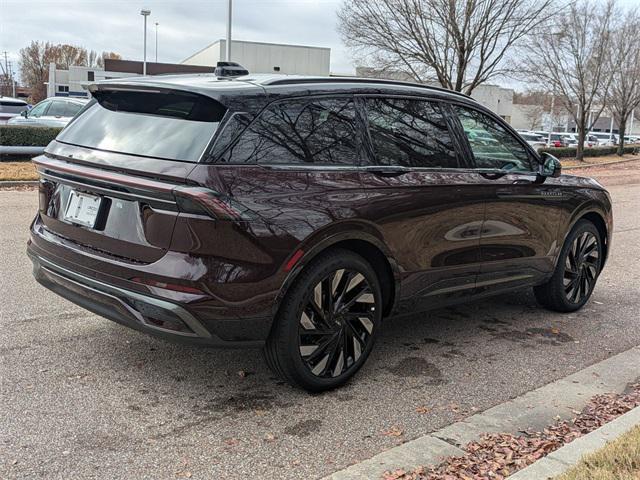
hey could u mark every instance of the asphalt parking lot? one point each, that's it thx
(81, 397)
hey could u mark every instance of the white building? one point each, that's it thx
(68, 83)
(497, 99)
(260, 57)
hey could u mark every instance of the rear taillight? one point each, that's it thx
(208, 202)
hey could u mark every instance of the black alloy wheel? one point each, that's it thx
(577, 270)
(581, 267)
(327, 322)
(336, 323)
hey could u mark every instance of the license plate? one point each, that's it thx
(82, 209)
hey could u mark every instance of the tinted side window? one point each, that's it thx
(492, 145)
(301, 131)
(39, 109)
(411, 133)
(72, 108)
(57, 109)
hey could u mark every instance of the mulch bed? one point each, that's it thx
(496, 456)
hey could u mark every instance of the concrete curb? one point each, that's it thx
(19, 183)
(579, 167)
(21, 150)
(566, 457)
(532, 411)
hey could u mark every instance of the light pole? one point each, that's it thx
(157, 41)
(228, 46)
(145, 14)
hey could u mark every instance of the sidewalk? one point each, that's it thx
(532, 411)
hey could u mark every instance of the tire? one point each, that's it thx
(576, 272)
(317, 350)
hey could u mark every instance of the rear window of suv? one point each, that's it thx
(172, 126)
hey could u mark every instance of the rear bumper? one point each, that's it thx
(158, 317)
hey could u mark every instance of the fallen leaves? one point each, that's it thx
(496, 456)
(394, 431)
(422, 410)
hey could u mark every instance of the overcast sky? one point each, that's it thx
(185, 26)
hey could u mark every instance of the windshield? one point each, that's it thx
(173, 126)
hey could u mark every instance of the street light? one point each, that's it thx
(157, 41)
(145, 14)
(228, 46)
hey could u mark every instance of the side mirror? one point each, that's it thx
(24, 113)
(551, 166)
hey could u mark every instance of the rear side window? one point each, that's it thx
(173, 126)
(410, 133)
(10, 106)
(57, 109)
(300, 131)
(72, 108)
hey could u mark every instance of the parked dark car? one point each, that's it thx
(296, 213)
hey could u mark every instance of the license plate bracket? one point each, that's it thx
(82, 209)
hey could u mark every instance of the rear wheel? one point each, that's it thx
(576, 272)
(327, 323)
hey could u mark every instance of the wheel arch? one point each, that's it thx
(600, 224)
(368, 246)
(596, 216)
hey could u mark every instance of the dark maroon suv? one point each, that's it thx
(296, 213)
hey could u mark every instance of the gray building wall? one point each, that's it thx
(260, 57)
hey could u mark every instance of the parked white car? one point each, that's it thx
(52, 112)
(572, 140)
(605, 138)
(533, 139)
(11, 107)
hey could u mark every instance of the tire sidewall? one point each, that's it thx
(581, 227)
(302, 292)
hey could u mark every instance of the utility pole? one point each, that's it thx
(551, 116)
(228, 45)
(633, 114)
(157, 41)
(145, 14)
(611, 129)
(12, 80)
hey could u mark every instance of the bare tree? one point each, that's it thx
(624, 94)
(571, 59)
(68, 55)
(34, 67)
(458, 43)
(35, 60)
(96, 59)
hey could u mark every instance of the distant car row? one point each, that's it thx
(51, 112)
(539, 139)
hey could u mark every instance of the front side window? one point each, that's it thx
(410, 133)
(39, 109)
(308, 131)
(492, 145)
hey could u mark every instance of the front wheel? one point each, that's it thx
(576, 272)
(327, 323)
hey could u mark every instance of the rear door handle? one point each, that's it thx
(390, 171)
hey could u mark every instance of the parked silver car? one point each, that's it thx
(52, 112)
(11, 107)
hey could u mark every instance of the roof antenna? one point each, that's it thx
(230, 69)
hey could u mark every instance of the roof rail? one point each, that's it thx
(380, 81)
